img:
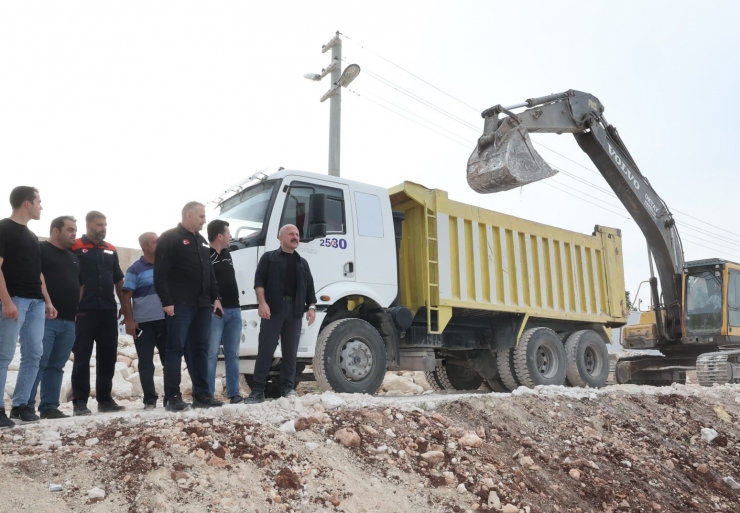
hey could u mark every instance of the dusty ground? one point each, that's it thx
(623, 448)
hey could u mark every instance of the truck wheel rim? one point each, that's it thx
(546, 361)
(355, 359)
(589, 360)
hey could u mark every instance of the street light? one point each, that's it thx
(339, 79)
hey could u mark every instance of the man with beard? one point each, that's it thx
(63, 280)
(285, 290)
(97, 317)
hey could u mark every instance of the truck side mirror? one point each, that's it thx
(316, 216)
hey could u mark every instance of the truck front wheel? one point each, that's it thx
(350, 357)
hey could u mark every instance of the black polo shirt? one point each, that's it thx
(100, 272)
(182, 269)
(63, 278)
(270, 275)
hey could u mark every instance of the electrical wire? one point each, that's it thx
(413, 75)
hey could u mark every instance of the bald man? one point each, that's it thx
(285, 290)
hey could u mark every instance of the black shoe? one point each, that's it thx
(22, 414)
(176, 404)
(255, 397)
(5, 422)
(54, 414)
(81, 409)
(150, 406)
(289, 393)
(236, 399)
(109, 406)
(206, 401)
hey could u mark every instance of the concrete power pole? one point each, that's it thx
(339, 79)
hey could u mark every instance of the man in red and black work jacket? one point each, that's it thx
(97, 317)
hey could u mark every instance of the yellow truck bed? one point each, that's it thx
(457, 256)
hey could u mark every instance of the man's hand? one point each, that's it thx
(169, 310)
(10, 311)
(311, 316)
(131, 327)
(216, 307)
(51, 312)
(264, 311)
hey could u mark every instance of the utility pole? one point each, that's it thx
(339, 79)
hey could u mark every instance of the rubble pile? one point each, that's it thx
(623, 448)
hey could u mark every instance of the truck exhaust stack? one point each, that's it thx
(506, 159)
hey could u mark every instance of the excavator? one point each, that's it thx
(694, 317)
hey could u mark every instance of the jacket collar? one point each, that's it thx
(279, 251)
(88, 241)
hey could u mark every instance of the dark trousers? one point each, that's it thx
(153, 334)
(285, 325)
(94, 327)
(188, 333)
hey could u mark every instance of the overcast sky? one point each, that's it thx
(134, 108)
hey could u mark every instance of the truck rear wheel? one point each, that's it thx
(453, 377)
(505, 365)
(350, 357)
(539, 358)
(496, 385)
(588, 359)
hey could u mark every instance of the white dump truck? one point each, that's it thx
(407, 279)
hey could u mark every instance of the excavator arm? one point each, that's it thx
(505, 158)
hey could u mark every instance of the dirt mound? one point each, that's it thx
(550, 449)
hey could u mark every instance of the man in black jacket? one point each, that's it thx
(284, 288)
(186, 284)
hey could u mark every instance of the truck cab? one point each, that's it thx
(351, 253)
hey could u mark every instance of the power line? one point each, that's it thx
(367, 93)
(406, 117)
(407, 71)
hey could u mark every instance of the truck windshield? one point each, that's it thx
(246, 212)
(703, 303)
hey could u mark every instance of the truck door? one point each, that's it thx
(332, 258)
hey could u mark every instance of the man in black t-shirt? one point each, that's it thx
(23, 302)
(63, 278)
(226, 330)
(285, 289)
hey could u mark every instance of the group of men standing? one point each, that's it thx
(180, 298)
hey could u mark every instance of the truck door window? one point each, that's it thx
(246, 212)
(296, 207)
(733, 299)
(369, 215)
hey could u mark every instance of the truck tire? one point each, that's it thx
(539, 358)
(350, 357)
(505, 365)
(453, 377)
(588, 359)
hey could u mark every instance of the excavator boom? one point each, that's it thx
(505, 158)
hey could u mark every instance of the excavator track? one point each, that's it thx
(719, 367)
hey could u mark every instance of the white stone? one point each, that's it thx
(283, 403)
(493, 501)
(121, 389)
(312, 446)
(135, 381)
(288, 427)
(395, 383)
(91, 441)
(129, 351)
(331, 401)
(310, 399)
(731, 483)
(15, 363)
(158, 368)
(50, 436)
(96, 493)
(708, 434)
(461, 488)
(123, 370)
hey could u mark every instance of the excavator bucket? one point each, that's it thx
(504, 160)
